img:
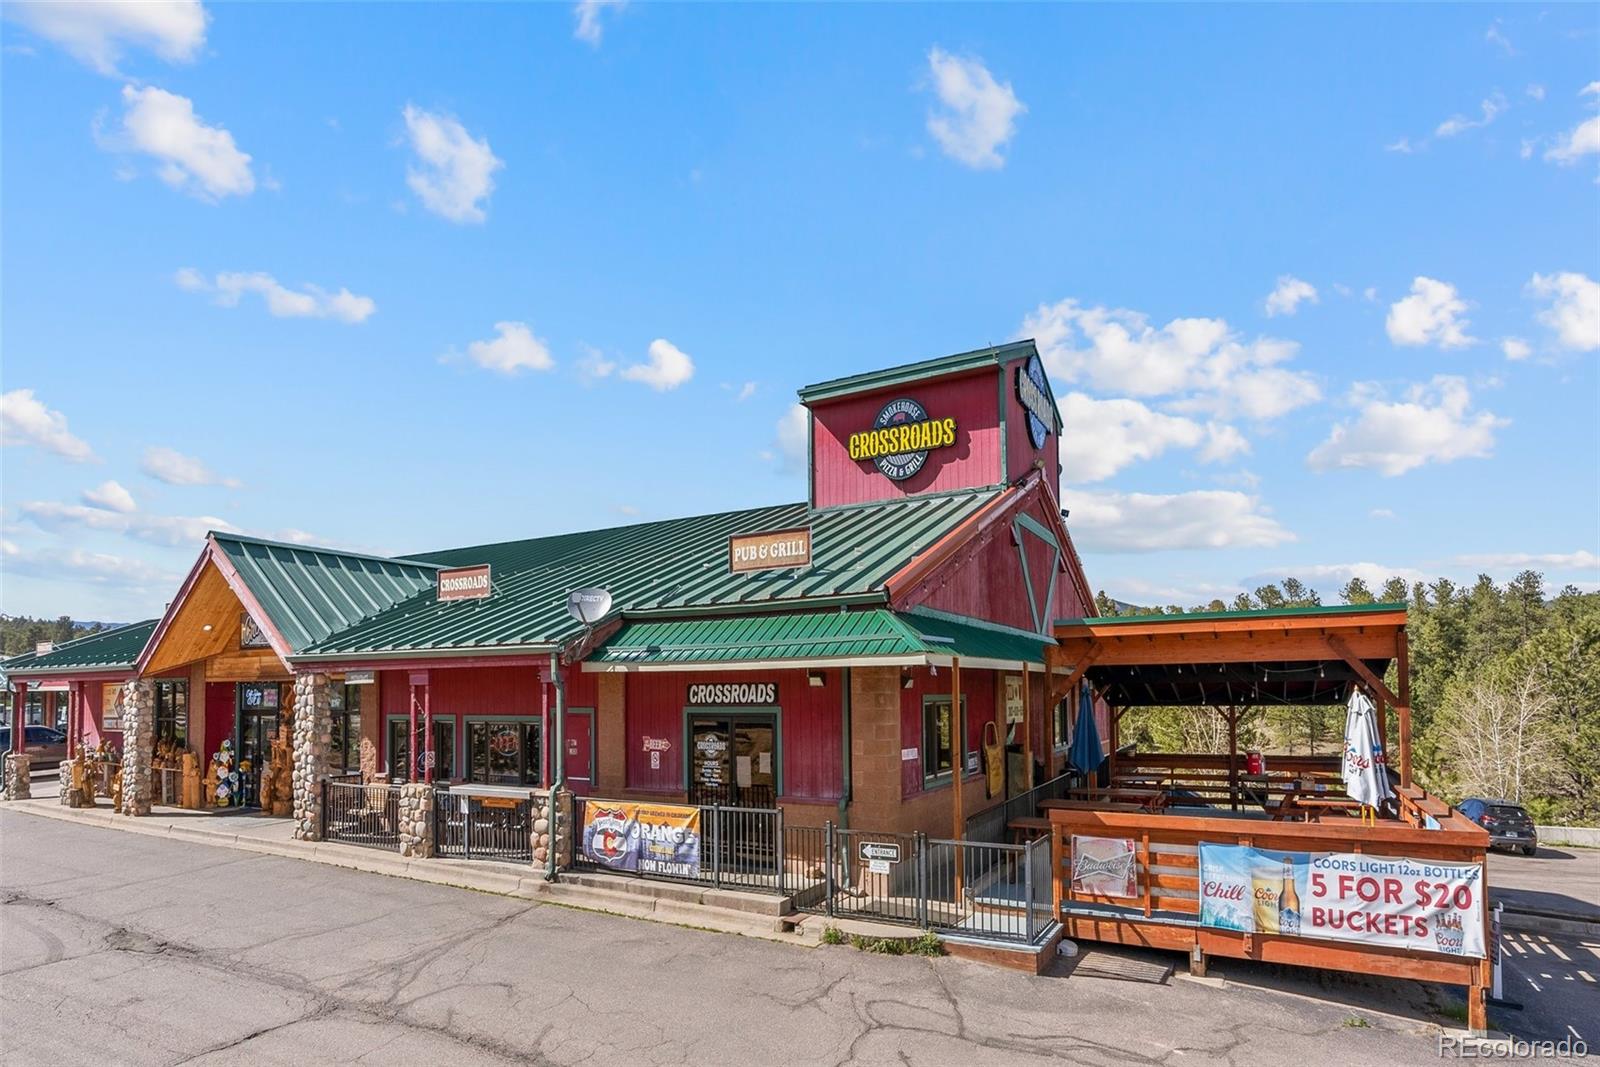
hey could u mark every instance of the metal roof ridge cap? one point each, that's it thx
(1298, 611)
(865, 381)
(323, 549)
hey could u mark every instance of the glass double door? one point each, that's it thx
(733, 761)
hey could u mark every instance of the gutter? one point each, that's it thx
(317, 658)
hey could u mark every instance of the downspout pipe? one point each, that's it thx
(558, 762)
(845, 790)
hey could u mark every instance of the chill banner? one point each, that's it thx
(643, 838)
(1344, 896)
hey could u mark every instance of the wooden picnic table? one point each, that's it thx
(1150, 799)
(1085, 805)
(1313, 807)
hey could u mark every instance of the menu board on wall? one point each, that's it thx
(111, 706)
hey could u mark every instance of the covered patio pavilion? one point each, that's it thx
(1175, 817)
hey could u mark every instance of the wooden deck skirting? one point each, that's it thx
(1165, 914)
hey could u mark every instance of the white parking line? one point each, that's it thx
(1587, 977)
(1557, 950)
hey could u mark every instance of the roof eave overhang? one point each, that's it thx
(801, 663)
(308, 661)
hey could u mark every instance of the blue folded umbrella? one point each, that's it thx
(1085, 755)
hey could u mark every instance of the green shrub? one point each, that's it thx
(832, 935)
(927, 945)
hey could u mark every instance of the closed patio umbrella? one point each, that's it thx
(1085, 755)
(1366, 777)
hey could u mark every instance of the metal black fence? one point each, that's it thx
(738, 848)
(472, 827)
(979, 889)
(357, 814)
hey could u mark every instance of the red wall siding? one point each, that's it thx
(811, 732)
(974, 460)
(977, 686)
(987, 582)
(221, 704)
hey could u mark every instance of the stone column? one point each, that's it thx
(138, 743)
(313, 739)
(17, 785)
(416, 820)
(552, 827)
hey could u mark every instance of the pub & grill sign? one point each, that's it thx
(769, 551)
(464, 583)
(900, 439)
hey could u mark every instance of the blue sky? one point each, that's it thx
(1316, 286)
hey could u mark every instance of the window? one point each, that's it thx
(33, 711)
(1062, 718)
(938, 735)
(444, 749)
(345, 703)
(172, 713)
(505, 752)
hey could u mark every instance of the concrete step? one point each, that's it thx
(762, 905)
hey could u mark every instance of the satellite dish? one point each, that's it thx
(588, 606)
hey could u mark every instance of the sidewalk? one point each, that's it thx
(717, 910)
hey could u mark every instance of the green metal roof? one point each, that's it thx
(807, 635)
(673, 567)
(928, 368)
(108, 650)
(814, 635)
(1259, 613)
(975, 639)
(310, 593)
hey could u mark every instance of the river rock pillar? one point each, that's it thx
(313, 740)
(138, 745)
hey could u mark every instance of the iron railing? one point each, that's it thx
(357, 814)
(739, 848)
(472, 827)
(990, 891)
(993, 825)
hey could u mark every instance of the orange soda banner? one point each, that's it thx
(1422, 905)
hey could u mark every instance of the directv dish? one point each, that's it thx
(588, 606)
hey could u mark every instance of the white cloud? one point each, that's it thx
(1430, 315)
(111, 496)
(96, 33)
(455, 172)
(79, 566)
(168, 530)
(593, 365)
(1287, 297)
(794, 437)
(1403, 145)
(173, 467)
(1581, 560)
(979, 115)
(513, 351)
(195, 158)
(1118, 351)
(308, 302)
(587, 22)
(1381, 513)
(24, 420)
(1515, 348)
(1145, 522)
(1434, 424)
(1223, 443)
(1574, 311)
(1582, 140)
(1535, 91)
(1490, 109)
(667, 367)
(1101, 437)
(1494, 35)
(746, 391)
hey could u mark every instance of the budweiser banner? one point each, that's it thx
(643, 838)
(1344, 896)
(1104, 866)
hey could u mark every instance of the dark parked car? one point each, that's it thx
(1508, 823)
(47, 746)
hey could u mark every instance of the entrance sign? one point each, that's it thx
(1033, 393)
(769, 551)
(464, 583)
(733, 694)
(1422, 905)
(881, 851)
(643, 838)
(360, 677)
(900, 439)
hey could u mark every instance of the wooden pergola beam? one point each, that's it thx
(1376, 684)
